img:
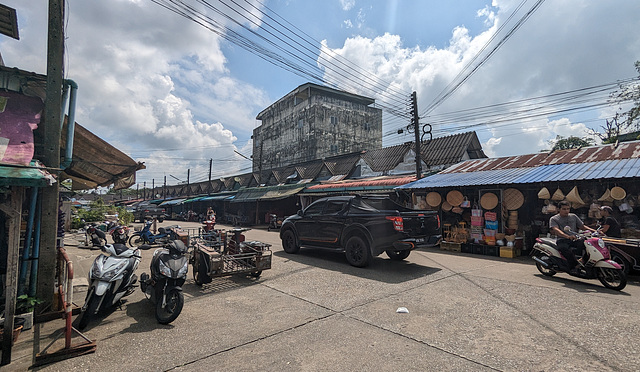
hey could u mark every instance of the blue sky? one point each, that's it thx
(173, 94)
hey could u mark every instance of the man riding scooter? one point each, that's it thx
(566, 241)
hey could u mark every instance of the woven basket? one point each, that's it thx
(455, 197)
(618, 193)
(489, 201)
(446, 206)
(512, 199)
(434, 199)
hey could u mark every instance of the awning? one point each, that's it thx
(266, 193)
(609, 169)
(191, 200)
(33, 176)
(365, 185)
(281, 193)
(217, 197)
(172, 202)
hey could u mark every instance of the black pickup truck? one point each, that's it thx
(361, 226)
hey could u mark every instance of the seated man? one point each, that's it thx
(566, 241)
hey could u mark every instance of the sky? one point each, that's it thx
(174, 94)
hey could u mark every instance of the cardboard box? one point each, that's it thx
(509, 252)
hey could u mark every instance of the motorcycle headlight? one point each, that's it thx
(183, 270)
(96, 269)
(164, 269)
(601, 243)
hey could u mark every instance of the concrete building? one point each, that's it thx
(314, 122)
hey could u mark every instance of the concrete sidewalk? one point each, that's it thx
(313, 311)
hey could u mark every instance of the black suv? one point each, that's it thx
(146, 210)
(361, 226)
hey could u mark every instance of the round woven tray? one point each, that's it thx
(455, 197)
(618, 193)
(446, 206)
(512, 199)
(434, 199)
(489, 201)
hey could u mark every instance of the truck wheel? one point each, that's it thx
(398, 255)
(357, 252)
(289, 243)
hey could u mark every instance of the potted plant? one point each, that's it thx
(24, 309)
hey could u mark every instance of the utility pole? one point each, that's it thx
(416, 130)
(188, 172)
(144, 190)
(164, 188)
(210, 164)
(51, 153)
(153, 188)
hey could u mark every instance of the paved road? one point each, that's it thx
(314, 312)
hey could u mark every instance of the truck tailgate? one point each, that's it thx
(417, 224)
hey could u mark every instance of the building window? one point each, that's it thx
(334, 148)
(367, 126)
(334, 120)
(300, 123)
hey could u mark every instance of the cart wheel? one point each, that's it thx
(197, 276)
(256, 274)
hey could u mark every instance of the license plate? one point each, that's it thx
(420, 240)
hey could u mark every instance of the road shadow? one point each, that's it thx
(381, 269)
(578, 285)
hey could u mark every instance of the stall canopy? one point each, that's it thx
(34, 175)
(375, 184)
(591, 163)
(266, 193)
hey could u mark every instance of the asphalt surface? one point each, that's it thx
(314, 312)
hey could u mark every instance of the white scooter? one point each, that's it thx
(599, 265)
(110, 279)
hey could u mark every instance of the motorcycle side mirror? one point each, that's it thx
(145, 247)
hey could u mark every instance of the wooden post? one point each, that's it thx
(13, 251)
(51, 153)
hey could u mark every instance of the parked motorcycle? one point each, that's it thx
(145, 236)
(119, 234)
(163, 286)
(273, 222)
(111, 278)
(94, 235)
(598, 265)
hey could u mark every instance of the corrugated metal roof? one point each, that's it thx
(377, 181)
(386, 158)
(608, 169)
(451, 149)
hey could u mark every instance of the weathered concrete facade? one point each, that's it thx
(314, 122)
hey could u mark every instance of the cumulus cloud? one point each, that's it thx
(347, 4)
(556, 50)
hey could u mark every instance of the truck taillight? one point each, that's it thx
(438, 218)
(398, 225)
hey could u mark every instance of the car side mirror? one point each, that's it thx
(300, 213)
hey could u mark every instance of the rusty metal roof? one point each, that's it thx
(591, 163)
(375, 182)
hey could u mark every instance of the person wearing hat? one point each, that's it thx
(567, 241)
(610, 226)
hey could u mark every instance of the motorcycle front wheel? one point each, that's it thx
(90, 313)
(612, 278)
(136, 241)
(172, 308)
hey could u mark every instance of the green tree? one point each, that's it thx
(571, 142)
(623, 122)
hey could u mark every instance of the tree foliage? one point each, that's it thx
(627, 121)
(571, 142)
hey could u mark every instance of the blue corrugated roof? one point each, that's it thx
(609, 169)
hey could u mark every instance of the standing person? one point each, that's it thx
(211, 214)
(610, 226)
(566, 241)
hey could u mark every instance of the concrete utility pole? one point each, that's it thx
(416, 129)
(210, 164)
(51, 153)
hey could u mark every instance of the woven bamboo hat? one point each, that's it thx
(606, 197)
(455, 197)
(489, 201)
(557, 195)
(513, 199)
(574, 197)
(618, 193)
(446, 206)
(544, 193)
(434, 199)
